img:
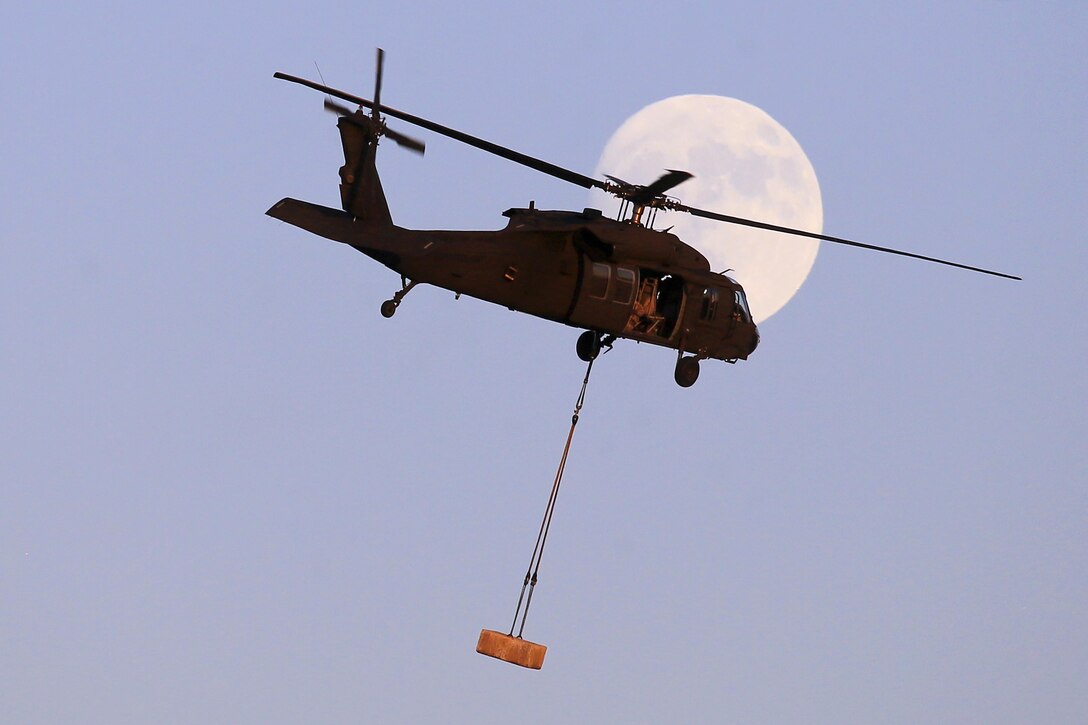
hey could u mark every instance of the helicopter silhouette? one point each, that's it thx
(614, 278)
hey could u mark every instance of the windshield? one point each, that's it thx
(742, 306)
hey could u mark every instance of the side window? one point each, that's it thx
(625, 285)
(598, 282)
(710, 304)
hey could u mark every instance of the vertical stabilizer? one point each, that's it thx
(361, 192)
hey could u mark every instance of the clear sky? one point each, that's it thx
(231, 492)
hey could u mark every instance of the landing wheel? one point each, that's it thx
(589, 345)
(389, 307)
(687, 371)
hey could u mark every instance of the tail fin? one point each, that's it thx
(361, 191)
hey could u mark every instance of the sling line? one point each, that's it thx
(545, 524)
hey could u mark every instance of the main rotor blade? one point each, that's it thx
(824, 237)
(558, 172)
(663, 184)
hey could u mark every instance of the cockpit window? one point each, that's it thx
(742, 307)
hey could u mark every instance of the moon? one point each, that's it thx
(746, 164)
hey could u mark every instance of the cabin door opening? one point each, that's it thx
(657, 305)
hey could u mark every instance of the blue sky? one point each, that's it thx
(232, 492)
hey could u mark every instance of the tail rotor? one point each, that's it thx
(375, 123)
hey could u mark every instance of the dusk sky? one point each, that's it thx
(231, 492)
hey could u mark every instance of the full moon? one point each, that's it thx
(746, 165)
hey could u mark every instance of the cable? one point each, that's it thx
(545, 524)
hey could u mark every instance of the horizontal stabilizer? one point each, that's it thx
(333, 224)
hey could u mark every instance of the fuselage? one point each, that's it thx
(583, 270)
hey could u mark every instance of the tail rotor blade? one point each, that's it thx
(338, 108)
(406, 141)
(378, 84)
(341, 110)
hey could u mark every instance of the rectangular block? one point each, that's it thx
(514, 650)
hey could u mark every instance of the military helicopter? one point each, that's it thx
(614, 278)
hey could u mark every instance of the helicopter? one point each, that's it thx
(614, 278)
